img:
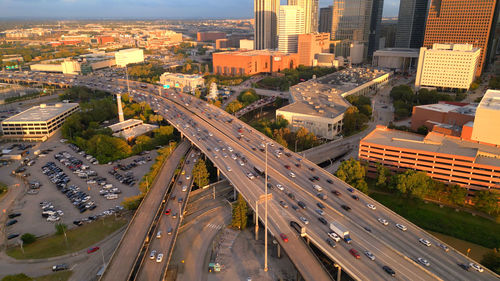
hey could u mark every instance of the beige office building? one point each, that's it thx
(291, 24)
(310, 8)
(186, 82)
(124, 57)
(266, 24)
(487, 121)
(449, 66)
(39, 122)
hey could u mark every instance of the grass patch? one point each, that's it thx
(3, 190)
(58, 276)
(444, 220)
(78, 238)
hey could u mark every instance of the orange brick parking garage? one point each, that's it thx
(252, 62)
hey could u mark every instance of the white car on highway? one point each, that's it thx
(280, 187)
(228, 169)
(476, 267)
(304, 220)
(292, 174)
(159, 258)
(152, 256)
(401, 227)
(320, 212)
(383, 221)
(250, 176)
(334, 236)
(425, 242)
(371, 206)
(424, 261)
(369, 255)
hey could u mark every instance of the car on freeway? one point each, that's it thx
(159, 258)
(331, 242)
(345, 207)
(336, 193)
(389, 270)
(424, 261)
(169, 232)
(174, 215)
(228, 169)
(184, 188)
(401, 227)
(425, 242)
(320, 212)
(280, 187)
(383, 221)
(59, 267)
(322, 220)
(351, 190)
(304, 220)
(292, 175)
(93, 249)
(283, 237)
(329, 181)
(302, 204)
(288, 167)
(476, 267)
(320, 205)
(250, 176)
(158, 234)
(168, 211)
(369, 255)
(371, 206)
(355, 197)
(152, 255)
(355, 253)
(444, 247)
(283, 204)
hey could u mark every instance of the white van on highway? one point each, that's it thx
(317, 188)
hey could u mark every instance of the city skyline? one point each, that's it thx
(127, 9)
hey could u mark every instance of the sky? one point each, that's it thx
(168, 9)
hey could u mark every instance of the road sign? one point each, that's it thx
(262, 198)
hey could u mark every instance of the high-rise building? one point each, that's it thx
(266, 24)
(357, 20)
(462, 22)
(325, 19)
(310, 8)
(291, 24)
(447, 66)
(311, 44)
(411, 23)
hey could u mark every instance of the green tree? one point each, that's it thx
(28, 238)
(412, 183)
(248, 96)
(492, 260)
(352, 172)
(197, 93)
(200, 174)
(353, 121)
(240, 210)
(17, 277)
(383, 175)
(486, 201)
(60, 228)
(457, 194)
(106, 148)
(155, 118)
(132, 203)
(234, 106)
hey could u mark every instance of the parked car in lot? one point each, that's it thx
(11, 222)
(13, 215)
(12, 236)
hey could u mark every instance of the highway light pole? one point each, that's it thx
(265, 216)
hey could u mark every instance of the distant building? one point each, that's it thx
(487, 121)
(311, 44)
(210, 36)
(127, 56)
(411, 23)
(328, 60)
(246, 44)
(266, 24)
(325, 19)
(310, 10)
(449, 66)
(319, 104)
(447, 116)
(291, 24)
(221, 44)
(187, 82)
(399, 59)
(463, 22)
(252, 62)
(37, 123)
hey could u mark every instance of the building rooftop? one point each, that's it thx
(436, 143)
(252, 53)
(184, 76)
(131, 128)
(323, 97)
(41, 113)
(406, 52)
(491, 100)
(467, 109)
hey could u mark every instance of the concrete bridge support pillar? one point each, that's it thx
(308, 241)
(256, 215)
(235, 194)
(339, 272)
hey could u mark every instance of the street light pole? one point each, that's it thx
(265, 217)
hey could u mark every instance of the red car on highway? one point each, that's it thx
(93, 249)
(168, 211)
(283, 236)
(355, 253)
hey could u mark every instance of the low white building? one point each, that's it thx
(246, 44)
(186, 82)
(399, 59)
(127, 56)
(449, 66)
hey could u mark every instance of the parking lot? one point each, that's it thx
(71, 183)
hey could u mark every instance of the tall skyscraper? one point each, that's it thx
(456, 21)
(310, 8)
(357, 20)
(291, 24)
(411, 23)
(325, 19)
(266, 24)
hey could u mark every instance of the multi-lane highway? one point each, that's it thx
(153, 267)
(235, 149)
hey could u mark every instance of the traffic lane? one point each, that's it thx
(151, 269)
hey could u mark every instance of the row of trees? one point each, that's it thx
(357, 115)
(244, 99)
(146, 72)
(404, 99)
(240, 213)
